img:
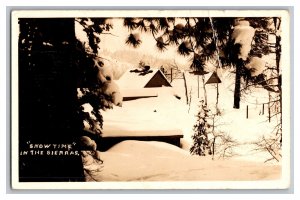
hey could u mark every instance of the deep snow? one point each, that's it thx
(166, 114)
(157, 161)
(161, 115)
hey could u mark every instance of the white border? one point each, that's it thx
(280, 184)
(148, 13)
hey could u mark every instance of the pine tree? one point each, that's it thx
(202, 128)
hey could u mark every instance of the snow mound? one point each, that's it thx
(144, 147)
(157, 161)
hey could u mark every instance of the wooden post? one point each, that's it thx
(171, 74)
(247, 112)
(263, 109)
(185, 86)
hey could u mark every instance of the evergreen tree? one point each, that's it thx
(202, 128)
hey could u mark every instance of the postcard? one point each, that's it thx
(150, 99)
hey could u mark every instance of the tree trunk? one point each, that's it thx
(48, 101)
(185, 86)
(237, 88)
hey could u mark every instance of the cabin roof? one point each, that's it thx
(134, 79)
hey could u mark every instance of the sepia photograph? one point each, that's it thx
(153, 99)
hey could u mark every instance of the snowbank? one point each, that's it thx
(157, 161)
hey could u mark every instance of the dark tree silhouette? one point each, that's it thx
(52, 65)
(47, 98)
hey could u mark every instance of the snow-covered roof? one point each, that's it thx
(134, 79)
(156, 116)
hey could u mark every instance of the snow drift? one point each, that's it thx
(157, 161)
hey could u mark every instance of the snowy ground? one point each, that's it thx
(157, 161)
(232, 122)
(166, 114)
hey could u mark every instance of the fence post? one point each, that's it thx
(269, 107)
(171, 74)
(263, 109)
(247, 112)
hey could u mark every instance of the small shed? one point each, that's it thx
(135, 83)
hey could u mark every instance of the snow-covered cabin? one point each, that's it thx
(135, 84)
(144, 118)
(160, 118)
